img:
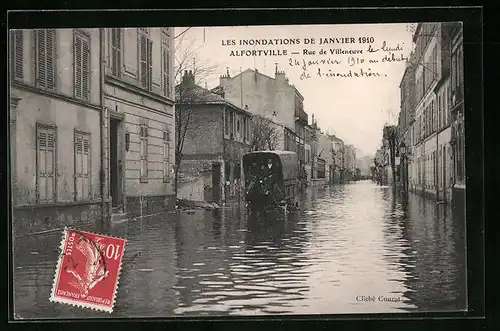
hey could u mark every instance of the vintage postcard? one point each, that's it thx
(253, 170)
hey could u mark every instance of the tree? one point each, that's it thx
(390, 135)
(265, 135)
(186, 50)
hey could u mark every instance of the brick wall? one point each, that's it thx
(205, 131)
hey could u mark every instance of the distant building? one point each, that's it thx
(218, 134)
(432, 55)
(274, 98)
(457, 114)
(350, 162)
(406, 122)
(338, 159)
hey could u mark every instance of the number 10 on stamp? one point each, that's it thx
(88, 270)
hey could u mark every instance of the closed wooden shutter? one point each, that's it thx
(166, 154)
(149, 64)
(81, 53)
(86, 69)
(17, 54)
(116, 50)
(50, 59)
(45, 164)
(82, 166)
(45, 58)
(41, 62)
(166, 72)
(143, 67)
(77, 52)
(143, 148)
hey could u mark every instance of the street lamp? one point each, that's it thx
(402, 148)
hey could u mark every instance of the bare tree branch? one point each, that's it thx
(265, 136)
(187, 94)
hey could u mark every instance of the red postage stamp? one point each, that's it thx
(88, 270)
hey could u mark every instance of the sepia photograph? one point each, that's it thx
(237, 170)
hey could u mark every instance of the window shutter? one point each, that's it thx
(78, 166)
(143, 60)
(150, 64)
(41, 58)
(17, 56)
(45, 164)
(50, 59)
(166, 71)
(85, 69)
(86, 167)
(78, 66)
(116, 51)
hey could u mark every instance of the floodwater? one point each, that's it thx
(351, 249)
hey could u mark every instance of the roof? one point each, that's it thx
(201, 96)
(217, 89)
(279, 153)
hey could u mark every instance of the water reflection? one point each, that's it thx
(347, 242)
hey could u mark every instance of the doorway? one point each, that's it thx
(115, 164)
(216, 168)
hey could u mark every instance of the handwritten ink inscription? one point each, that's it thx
(350, 57)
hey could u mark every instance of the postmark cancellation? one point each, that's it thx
(88, 270)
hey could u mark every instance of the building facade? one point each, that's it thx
(432, 134)
(273, 98)
(325, 158)
(139, 109)
(405, 124)
(216, 137)
(75, 114)
(349, 162)
(457, 114)
(55, 115)
(338, 160)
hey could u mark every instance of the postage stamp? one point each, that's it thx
(88, 270)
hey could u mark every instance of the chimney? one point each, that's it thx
(188, 78)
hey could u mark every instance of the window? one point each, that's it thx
(231, 123)
(143, 136)
(321, 168)
(46, 164)
(226, 122)
(145, 60)
(166, 154)
(116, 51)
(165, 72)
(446, 105)
(82, 166)
(17, 54)
(45, 58)
(244, 119)
(434, 116)
(81, 60)
(165, 68)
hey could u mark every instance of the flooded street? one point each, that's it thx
(351, 249)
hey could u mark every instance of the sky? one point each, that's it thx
(355, 109)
